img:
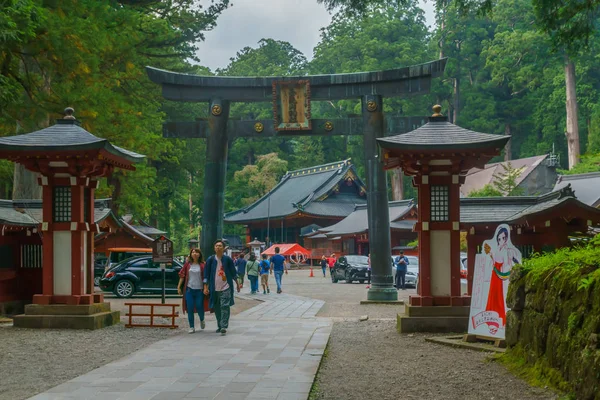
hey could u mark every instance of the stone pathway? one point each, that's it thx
(271, 351)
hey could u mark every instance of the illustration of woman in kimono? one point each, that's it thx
(503, 257)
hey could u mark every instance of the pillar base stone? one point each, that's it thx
(382, 294)
(434, 319)
(63, 316)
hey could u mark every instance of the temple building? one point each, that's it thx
(585, 186)
(351, 235)
(317, 196)
(536, 175)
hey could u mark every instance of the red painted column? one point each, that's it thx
(424, 222)
(454, 216)
(47, 243)
(77, 286)
(90, 239)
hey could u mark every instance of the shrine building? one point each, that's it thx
(321, 195)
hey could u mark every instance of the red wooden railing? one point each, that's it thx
(152, 315)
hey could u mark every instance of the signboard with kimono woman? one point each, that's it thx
(490, 284)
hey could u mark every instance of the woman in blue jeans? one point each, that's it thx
(192, 274)
(252, 268)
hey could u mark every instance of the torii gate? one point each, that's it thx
(291, 97)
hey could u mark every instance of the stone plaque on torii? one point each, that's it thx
(291, 97)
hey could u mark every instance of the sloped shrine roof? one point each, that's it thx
(439, 134)
(477, 178)
(65, 135)
(308, 190)
(357, 221)
(585, 186)
(286, 249)
(29, 212)
(519, 209)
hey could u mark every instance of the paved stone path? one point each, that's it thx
(271, 351)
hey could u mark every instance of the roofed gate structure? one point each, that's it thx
(291, 98)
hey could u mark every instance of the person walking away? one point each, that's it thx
(265, 267)
(220, 273)
(252, 268)
(324, 264)
(191, 277)
(401, 268)
(241, 269)
(278, 263)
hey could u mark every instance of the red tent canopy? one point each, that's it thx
(287, 249)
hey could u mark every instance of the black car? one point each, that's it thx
(351, 268)
(140, 274)
(99, 269)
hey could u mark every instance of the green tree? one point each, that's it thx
(505, 181)
(486, 191)
(254, 181)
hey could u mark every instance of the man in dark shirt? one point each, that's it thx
(401, 268)
(277, 267)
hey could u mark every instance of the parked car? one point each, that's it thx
(350, 268)
(140, 274)
(463, 265)
(118, 254)
(99, 268)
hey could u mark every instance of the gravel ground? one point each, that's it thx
(33, 360)
(370, 360)
(342, 300)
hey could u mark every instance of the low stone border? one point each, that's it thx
(457, 341)
(398, 302)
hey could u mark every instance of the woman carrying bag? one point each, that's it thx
(192, 274)
(252, 268)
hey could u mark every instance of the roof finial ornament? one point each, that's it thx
(437, 111)
(69, 111)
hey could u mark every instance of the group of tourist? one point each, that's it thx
(212, 282)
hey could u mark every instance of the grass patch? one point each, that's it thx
(539, 374)
(314, 389)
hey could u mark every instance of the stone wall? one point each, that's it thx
(554, 324)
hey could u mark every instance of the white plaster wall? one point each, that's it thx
(62, 262)
(84, 263)
(440, 263)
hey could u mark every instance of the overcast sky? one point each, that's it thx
(248, 21)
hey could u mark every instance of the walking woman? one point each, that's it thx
(324, 264)
(192, 275)
(252, 268)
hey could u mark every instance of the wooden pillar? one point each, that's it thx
(215, 169)
(77, 285)
(454, 213)
(378, 214)
(47, 244)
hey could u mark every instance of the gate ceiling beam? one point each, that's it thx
(247, 128)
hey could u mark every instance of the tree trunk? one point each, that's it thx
(191, 204)
(397, 184)
(25, 184)
(116, 194)
(572, 132)
(456, 100)
(507, 149)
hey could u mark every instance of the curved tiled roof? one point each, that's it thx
(440, 134)
(29, 212)
(357, 221)
(586, 187)
(303, 191)
(66, 134)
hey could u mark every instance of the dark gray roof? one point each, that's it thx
(234, 241)
(586, 187)
(65, 135)
(29, 212)
(309, 229)
(308, 190)
(357, 221)
(149, 230)
(438, 133)
(516, 209)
